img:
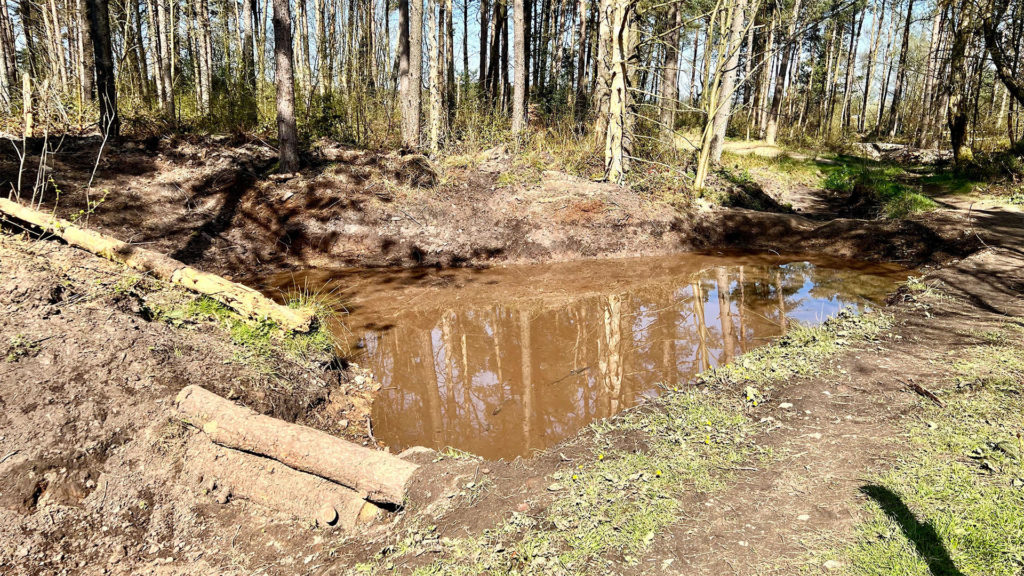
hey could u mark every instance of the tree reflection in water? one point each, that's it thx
(506, 361)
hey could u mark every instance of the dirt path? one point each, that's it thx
(831, 433)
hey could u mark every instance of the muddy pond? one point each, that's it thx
(506, 361)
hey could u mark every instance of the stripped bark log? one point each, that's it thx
(378, 476)
(276, 486)
(245, 300)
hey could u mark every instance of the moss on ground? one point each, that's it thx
(258, 341)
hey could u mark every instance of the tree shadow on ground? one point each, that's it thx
(923, 535)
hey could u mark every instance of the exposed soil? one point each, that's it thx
(92, 478)
(212, 203)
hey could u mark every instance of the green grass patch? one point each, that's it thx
(953, 503)
(882, 186)
(803, 350)
(257, 340)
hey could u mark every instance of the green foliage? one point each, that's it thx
(883, 187)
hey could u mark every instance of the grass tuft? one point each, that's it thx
(802, 351)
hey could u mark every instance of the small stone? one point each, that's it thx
(485, 470)
(785, 405)
(832, 565)
(555, 487)
(223, 496)
(327, 515)
(523, 507)
(803, 517)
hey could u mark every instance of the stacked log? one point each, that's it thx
(377, 476)
(232, 474)
(291, 468)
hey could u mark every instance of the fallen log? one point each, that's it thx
(376, 475)
(241, 298)
(230, 473)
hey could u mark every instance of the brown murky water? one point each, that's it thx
(506, 361)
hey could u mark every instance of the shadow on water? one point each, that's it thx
(927, 542)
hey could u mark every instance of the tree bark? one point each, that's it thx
(901, 72)
(436, 79)
(287, 133)
(519, 97)
(484, 27)
(772, 125)
(618, 140)
(278, 487)
(377, 476)
(409, 92)
(670, 75)
(250, 114)
(106, 85)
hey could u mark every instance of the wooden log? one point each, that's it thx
(234, 474)
(378, 476)
(245, 300)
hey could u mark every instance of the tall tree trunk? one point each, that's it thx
(409, 103)
(846, 116)
(618, 139)
(165, 34)
(957, 88)
(771, 129)
(87, 79)
(8, 62)
(484, 23)
(106, 84)
(719, 92)
(287, 133)
(581, 62)
(869, 69)
(901, 72)
(519, 97)
(887, 72)
(434, 134)
(250, 114)
(670, 75)
(927, 97)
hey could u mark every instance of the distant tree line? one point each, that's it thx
(634, 75)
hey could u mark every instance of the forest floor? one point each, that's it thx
(810, 455)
